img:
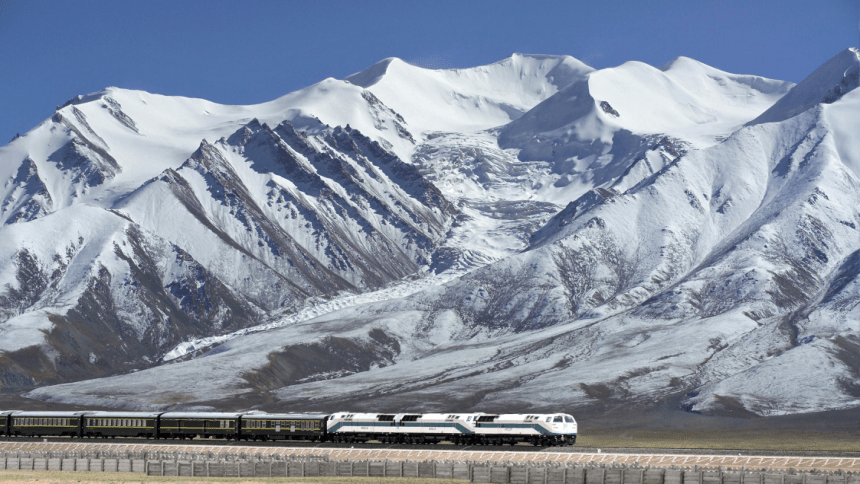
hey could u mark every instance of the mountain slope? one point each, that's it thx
(638, 233)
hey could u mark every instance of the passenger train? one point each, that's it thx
(402, 428)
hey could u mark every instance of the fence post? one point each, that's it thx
(401, 468)
(303, 469)
(207, 468)
(162, 468)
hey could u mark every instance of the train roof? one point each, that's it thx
(8, 412)
(48, 414)
(200, 415)
(123, 414)
(282, 416)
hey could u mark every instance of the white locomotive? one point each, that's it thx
(458, 428)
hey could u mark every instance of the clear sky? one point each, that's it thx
(253, 51)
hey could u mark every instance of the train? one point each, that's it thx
(342, 427)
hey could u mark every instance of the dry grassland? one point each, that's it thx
(725, 440)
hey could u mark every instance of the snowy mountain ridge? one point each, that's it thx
(415, 238)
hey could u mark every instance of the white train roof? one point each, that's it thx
(123, 414)
(200, 415)
(47, 414)
(283, 416)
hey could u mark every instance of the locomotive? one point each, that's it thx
(346, 427)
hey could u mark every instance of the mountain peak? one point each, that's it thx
(372, 74)
(835, 78)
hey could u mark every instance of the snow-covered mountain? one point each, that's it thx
(529, 234)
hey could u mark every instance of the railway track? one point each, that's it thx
(232, 445)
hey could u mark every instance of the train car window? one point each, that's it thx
(568, 419)
(558, 420)
(548, 419)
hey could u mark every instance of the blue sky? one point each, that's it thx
(254, 51)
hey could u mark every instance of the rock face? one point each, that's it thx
(253, 225)
(571, 237)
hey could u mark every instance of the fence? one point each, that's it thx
(209, 464)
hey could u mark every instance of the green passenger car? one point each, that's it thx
(52, 424)
(121, 424)
(284, 426)
(188, 425)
